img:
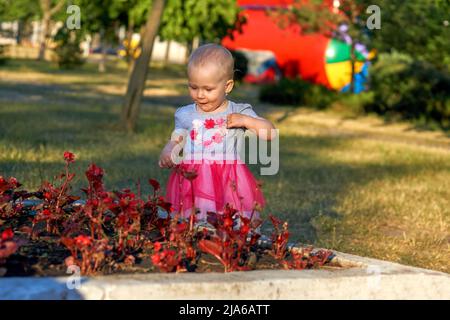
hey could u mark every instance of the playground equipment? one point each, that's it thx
(313, 57)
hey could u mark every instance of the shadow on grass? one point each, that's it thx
(70, 117)
(308, 186)
(78, 95)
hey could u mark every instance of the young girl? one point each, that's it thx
(210, 132)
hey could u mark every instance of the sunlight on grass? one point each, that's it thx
(341, 190)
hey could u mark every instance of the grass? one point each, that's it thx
(350, 184)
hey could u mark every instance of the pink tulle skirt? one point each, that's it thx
(217, 183)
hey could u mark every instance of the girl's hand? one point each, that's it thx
(236, 120)
(165, 159)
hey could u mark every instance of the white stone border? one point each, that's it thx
(362, 278)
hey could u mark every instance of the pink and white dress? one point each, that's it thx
(213, 152)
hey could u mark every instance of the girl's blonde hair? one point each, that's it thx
(214, 54)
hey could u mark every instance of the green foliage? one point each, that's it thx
(240, 65)
(105, 16)
(68, 50)
(137, 12)
(297, 92)
(211, 20)
(353, 104)
(417, 28)
(11, 10)
(411, 89)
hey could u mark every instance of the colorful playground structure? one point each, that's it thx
(274, 52)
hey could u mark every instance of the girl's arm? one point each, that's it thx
(165, 158)
(262, 127)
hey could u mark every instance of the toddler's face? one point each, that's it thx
(208, 86)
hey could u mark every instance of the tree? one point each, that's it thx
(103, 17)
(188, 20)
(415, 27)
(136, 82)
(137, 11)
(11, 10)
(48, 9)
(22, 11)
(183, 21)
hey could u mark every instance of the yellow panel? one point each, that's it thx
(340, 73)
(372, 54)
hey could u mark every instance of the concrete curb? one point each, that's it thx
(361, 278)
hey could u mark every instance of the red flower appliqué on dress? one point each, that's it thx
(209, 123)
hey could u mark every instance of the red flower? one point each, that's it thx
(209, 123)
(69, 156)
(46, 212)
(155, 258)
(193, 134)
(154, 184)
(94, 171)
(157, 246)
(83, 241)
(245, 229)
(227, 222)
(7, 234)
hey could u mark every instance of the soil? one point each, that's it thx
(45, 257)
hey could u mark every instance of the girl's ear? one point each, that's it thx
(229, 86)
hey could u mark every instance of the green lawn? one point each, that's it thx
(350, 184)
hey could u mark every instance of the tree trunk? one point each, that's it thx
(47, 13)
(20, 32)
(45, 26)
(102, 62)
(166, 56)
(136, 82)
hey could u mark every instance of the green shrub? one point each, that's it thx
(410, 89)
(353, 103)
(68, 51)
(297, 92)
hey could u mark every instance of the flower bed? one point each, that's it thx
(47, 231)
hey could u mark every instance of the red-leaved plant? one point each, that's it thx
(87, 253)
(7, 245)
(295, 258)
(10, 204)
(55, 198)
(117, 226)
(233, 241)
